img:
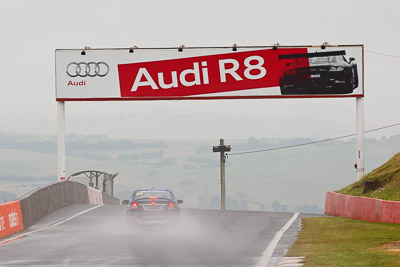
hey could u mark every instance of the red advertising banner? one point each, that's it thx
(209, 73)
(10, 218)
(204, 75)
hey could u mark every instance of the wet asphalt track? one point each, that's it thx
(102, 237)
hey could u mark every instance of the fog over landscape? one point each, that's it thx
(289, 179)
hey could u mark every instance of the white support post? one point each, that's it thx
(360, 138)
(61, 140)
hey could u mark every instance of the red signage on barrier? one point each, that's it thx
(10, 218)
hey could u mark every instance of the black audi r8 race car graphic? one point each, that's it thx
(318, 73)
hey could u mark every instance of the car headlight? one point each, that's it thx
(336, 69)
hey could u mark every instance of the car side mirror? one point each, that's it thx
(352, 59)
(288, 64)
(180, 201)
(125, 201)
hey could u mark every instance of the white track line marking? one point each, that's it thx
(266, 257)
(49, 226)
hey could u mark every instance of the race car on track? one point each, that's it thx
(318, 73)
(153, 205)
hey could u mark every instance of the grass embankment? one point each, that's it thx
(334, 241)
(382, 183)
(343, 242)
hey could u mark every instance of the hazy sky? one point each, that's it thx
(30, 31)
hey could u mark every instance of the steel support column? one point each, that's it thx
(360, 138)
(61, 140)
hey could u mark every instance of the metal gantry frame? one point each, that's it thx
(93, 174)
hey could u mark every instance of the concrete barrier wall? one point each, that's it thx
(110, 200)
(40, 202)
(95, 196)
(18, 215)
(362, 208)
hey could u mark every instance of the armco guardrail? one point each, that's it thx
(362, 208)
(28, 209)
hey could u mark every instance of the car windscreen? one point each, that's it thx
(152, 194)
(326, 60)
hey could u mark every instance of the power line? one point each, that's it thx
(310, 143)
(380, 128)
(381, 54)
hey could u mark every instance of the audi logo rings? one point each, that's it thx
(91, 69)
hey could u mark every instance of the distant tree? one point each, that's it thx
(204, 149)
(314, 209)
(240, 195)
(244, 205)
(202, 201)
(167, 162)
(188, 167)
(232, 204)
(188, 184)
(145, 155)
(6, 196)
(276, 206)
(215, 202)
(152, 173)
(252, 143)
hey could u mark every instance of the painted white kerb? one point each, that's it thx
(264, 260)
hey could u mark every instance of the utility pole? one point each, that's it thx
(222, 148)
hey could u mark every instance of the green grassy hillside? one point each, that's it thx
(382, 183)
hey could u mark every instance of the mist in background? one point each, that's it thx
(285, 180)
(31, 31)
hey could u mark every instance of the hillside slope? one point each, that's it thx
(382, 183)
